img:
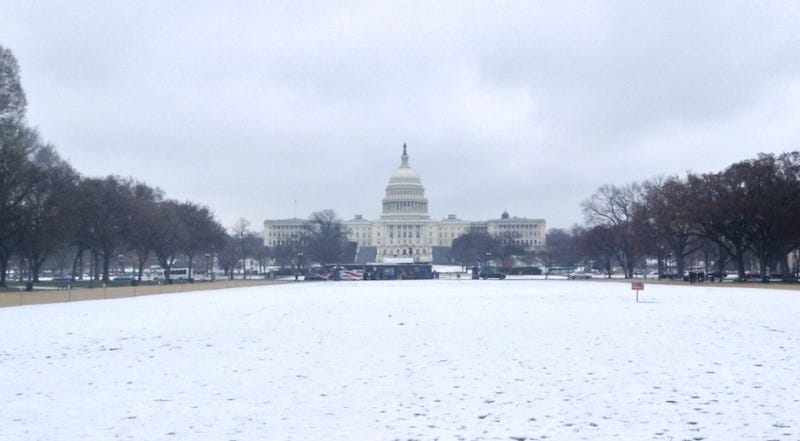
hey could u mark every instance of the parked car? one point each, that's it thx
(752, 274)
(314, 276)
(580, 275)
(491, 274)
(125, 279)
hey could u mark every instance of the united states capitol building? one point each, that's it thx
(405, 229)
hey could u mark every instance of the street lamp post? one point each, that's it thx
(300, 262)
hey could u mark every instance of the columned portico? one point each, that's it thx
(405, 229)
(404, 226)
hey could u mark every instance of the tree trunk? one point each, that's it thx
(680, 263)
(141, 261)
(95, 266)
(140, 269)
(3, 269)
(784, 262)
(722, 257)
(740, 264)
(78, 257)
(106, 269)
(37, 262)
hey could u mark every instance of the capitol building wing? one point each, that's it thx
(405, 229)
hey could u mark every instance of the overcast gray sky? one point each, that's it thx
(524, 106)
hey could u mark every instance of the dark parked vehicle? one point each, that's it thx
(314, 276)
(491, 274)
(717, 276)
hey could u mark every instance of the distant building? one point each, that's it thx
(527, 233)
(405, 230)
(281, 232)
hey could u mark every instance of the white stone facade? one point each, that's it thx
(527, 233)
(405, 229)
(281, 232)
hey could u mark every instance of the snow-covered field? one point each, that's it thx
(410, 360)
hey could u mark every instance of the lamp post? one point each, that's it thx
(207, 265)
(211, 265)
(297, 268)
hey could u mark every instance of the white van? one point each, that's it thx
(175, 274)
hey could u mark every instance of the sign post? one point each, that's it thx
(637, 286)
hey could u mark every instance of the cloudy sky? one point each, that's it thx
(267, 110)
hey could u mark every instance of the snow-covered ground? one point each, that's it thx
(409, 360)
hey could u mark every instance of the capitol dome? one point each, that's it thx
(405, 195)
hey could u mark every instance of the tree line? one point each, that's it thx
(742, 217)
(47, 207)
(728, 219)
(49, 211)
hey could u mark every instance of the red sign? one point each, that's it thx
(638, 286)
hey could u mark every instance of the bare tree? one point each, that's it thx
(473, 248)
(327, 239)
(615, 208)
(241, 231)
(227, 255)
(144, 223)
(106, 205)
(15, 168)
(47, 209)
(725, 217)
(18, 178)
(560, 249)
(12, 97)
(667, 208)
(768, 187)
(203, 232)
